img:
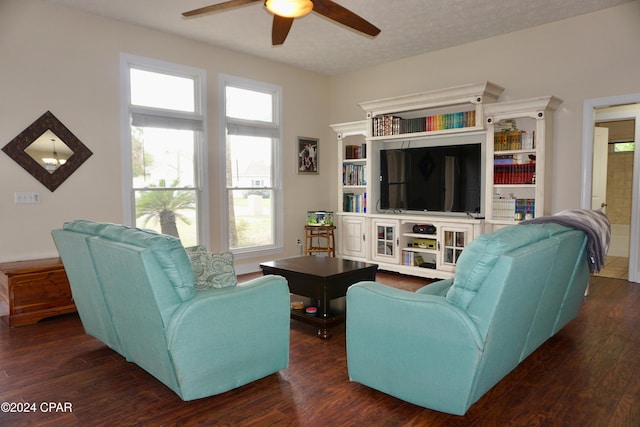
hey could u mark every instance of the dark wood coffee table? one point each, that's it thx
(323, 279)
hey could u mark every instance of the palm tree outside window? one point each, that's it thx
(167, 156)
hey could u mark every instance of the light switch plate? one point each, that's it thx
(27, 198)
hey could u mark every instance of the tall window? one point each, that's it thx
(164, 148)
(252, 140)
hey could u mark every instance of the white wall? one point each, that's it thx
(590, 56)
(58, 59)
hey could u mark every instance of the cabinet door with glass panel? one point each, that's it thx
(387, 241)
(453, 240)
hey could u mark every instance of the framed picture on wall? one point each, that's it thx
(307, 155)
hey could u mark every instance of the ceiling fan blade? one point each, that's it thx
(344, 16)
(218, 7)
(280, 29)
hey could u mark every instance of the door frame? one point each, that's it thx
(588, 122)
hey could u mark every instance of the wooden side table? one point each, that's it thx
(319, 232)
(33, 290)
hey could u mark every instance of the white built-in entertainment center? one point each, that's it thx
(426, 173)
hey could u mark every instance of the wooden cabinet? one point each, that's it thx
(33, 290)
(518, 165)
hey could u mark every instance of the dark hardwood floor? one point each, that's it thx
(586, 375)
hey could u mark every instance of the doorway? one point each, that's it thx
(622, 205)
(614, 145)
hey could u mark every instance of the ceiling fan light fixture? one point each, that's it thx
(289, 8)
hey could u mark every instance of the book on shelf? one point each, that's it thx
(352, 202)
(407, 257)
(417, 259)
(355, 152)
(527, 207)
(513, 139)
(505, 172)
(354, 174)
(505, 208)
(504, 160)
(411, 258)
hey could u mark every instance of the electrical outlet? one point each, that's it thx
(26, 198)
(298, 242)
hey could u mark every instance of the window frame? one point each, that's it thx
(623, 147)
(277, 175)
(127, 62)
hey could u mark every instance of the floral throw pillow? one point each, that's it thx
(213, 270)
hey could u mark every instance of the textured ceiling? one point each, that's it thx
(409, 27)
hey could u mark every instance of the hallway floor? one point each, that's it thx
(616, 268)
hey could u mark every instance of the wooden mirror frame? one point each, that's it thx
(16, 150)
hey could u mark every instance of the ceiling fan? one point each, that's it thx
(285, 11)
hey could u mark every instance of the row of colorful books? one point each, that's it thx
(411, 258)
(352, 202)
(510, 159)
(514, 173)
(393, 125)
(508, 140)
(527, 207)
(506, 208)
(353, 174)
(353, 152)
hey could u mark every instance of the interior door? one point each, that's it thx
(599, 175)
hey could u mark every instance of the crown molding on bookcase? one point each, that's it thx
(476, 93)
(513, 108)
(344, 130)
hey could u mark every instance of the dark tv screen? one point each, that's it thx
(431, 179)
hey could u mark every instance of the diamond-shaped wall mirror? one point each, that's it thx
(48, 151)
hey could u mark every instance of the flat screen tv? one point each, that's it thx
(431, 179)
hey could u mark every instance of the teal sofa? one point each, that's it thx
(135, 291)
(444, 346)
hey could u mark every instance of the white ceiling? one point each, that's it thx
(409, 27)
